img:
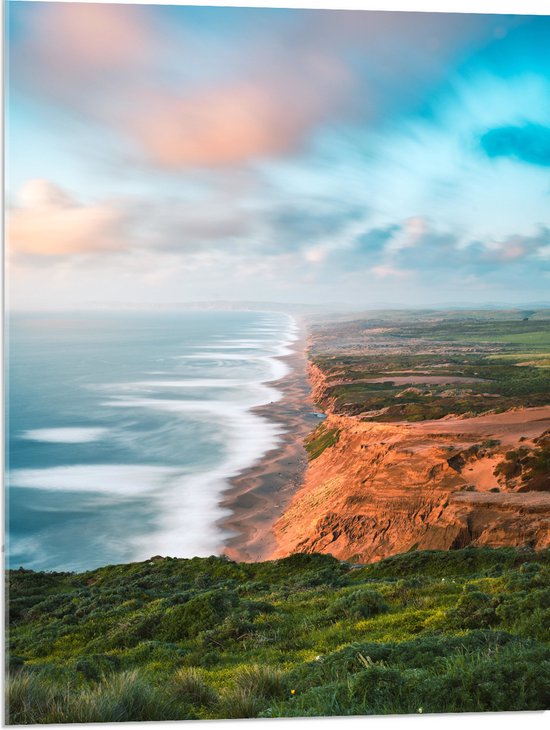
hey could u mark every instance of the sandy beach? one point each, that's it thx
(259, 495)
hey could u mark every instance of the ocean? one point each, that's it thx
(124, 429)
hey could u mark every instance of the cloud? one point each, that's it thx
(416, 245)
(169, 95)
(367, 250)
(519, 247)
(230, 123)
(312, 223)
(48, 222)
(120, 68)
(528, 143)
(67, 45)
(390, 272)
(409, 234)
(173, 225)
(445, 253)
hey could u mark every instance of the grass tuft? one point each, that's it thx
(190, 684)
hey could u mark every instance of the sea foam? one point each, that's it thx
(64, 435)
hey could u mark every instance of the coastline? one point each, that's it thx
(258, 496)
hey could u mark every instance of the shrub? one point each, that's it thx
(329, 700)
(14, 662)
(489, 677)
(233, 628)
(96, 665)
(359, 604)
(331, 575)
(201, 612)
(527, 613)
(516, 677)
(529, 575)
(508, 469)
(424, 653)
(123, 697)
(474, 610)
(378, 689)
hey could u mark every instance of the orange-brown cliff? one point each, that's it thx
(386, 488)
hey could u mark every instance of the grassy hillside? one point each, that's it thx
(307, 635)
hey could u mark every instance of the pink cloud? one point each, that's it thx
(233, 122)
(412, 232)
(513, 252)
(76, 40)
(49, 223)
(518, 247)
(106, 61)
(121, 67)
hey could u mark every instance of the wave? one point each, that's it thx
(67, 435)
(190, 383)
(114, 479)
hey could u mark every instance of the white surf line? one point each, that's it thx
(186, 383)
(127, 480)
(227, 347)
(188, 508)
(210, 356)
(260, 394)
(278, 368)
(189, 511)
(65, 435)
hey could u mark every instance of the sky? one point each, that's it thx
(167, 154)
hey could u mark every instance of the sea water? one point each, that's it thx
(124, 430)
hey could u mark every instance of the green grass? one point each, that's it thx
(537, 339)
(466, 630)
(521, 356)
(322, 438)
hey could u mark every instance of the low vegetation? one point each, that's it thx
(166, 639)
(320, 439)
(527, 470)
(478, 362)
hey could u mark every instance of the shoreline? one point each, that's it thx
(258, 496)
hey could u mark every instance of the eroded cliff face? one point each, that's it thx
(386, 488)
(318, 382)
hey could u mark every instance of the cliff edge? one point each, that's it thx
(376, 487)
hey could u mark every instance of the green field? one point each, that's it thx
(536, 336)
(506, 361)
(307, 635)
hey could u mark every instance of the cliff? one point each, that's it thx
(376, 489)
